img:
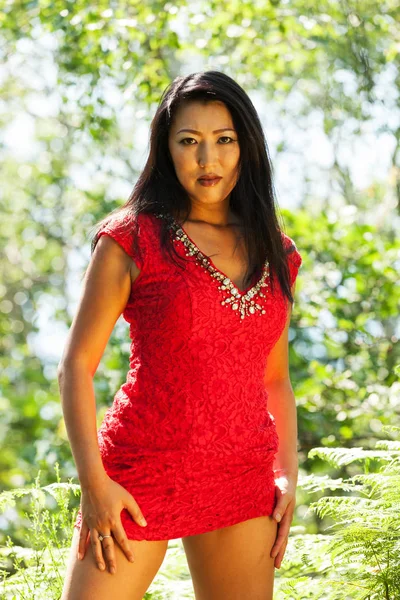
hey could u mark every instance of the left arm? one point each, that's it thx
(282, 404)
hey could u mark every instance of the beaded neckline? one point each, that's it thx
(239, 300)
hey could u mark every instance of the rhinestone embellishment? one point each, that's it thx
(242, 302)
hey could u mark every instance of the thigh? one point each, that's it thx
(233, 562)
(85, 581)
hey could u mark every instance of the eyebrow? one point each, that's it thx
(198, 132)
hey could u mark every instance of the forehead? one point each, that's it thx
(202, 115)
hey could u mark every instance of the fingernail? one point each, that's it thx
(278, 517)
(143, 521)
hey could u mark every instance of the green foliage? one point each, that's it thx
(343, 335)
(358, 556)
(36, 570)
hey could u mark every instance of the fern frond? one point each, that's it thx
(388, 444)
(383, 484)
(8, 497)
(320, 483)
(339, 457)
(338, 506)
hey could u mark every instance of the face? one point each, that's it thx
(205, 150)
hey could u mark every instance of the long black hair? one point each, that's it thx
(253, 200)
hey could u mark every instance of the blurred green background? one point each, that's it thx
(79, 84)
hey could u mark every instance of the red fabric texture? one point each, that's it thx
(189, 434)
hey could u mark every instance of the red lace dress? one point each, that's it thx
(189, 434)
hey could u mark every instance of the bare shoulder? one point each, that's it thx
(105, 292)
(117, 254)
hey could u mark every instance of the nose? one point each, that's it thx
(207, 153)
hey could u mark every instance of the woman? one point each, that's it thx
(199, 267)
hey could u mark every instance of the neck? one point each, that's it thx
(217, 219)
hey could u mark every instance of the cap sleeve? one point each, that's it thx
(122, 228)
(294, 257)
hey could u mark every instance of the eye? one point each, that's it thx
(184, 140)
(224, 137)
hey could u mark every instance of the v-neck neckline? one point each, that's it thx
(177, 226)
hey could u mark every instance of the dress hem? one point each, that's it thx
(194, 530)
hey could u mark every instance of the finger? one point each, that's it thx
(97, 549)
(135, 511)
(83, 534)
(122, 540)
(279, 558)
(282, 536)
(107, 546)
(279, 510)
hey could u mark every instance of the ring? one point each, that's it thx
(101, 537)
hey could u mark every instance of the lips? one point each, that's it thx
(207, 182)
(209, 178)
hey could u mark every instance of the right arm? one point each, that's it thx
(105, 293)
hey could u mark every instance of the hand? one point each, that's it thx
(285, 493)
(101, 506)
